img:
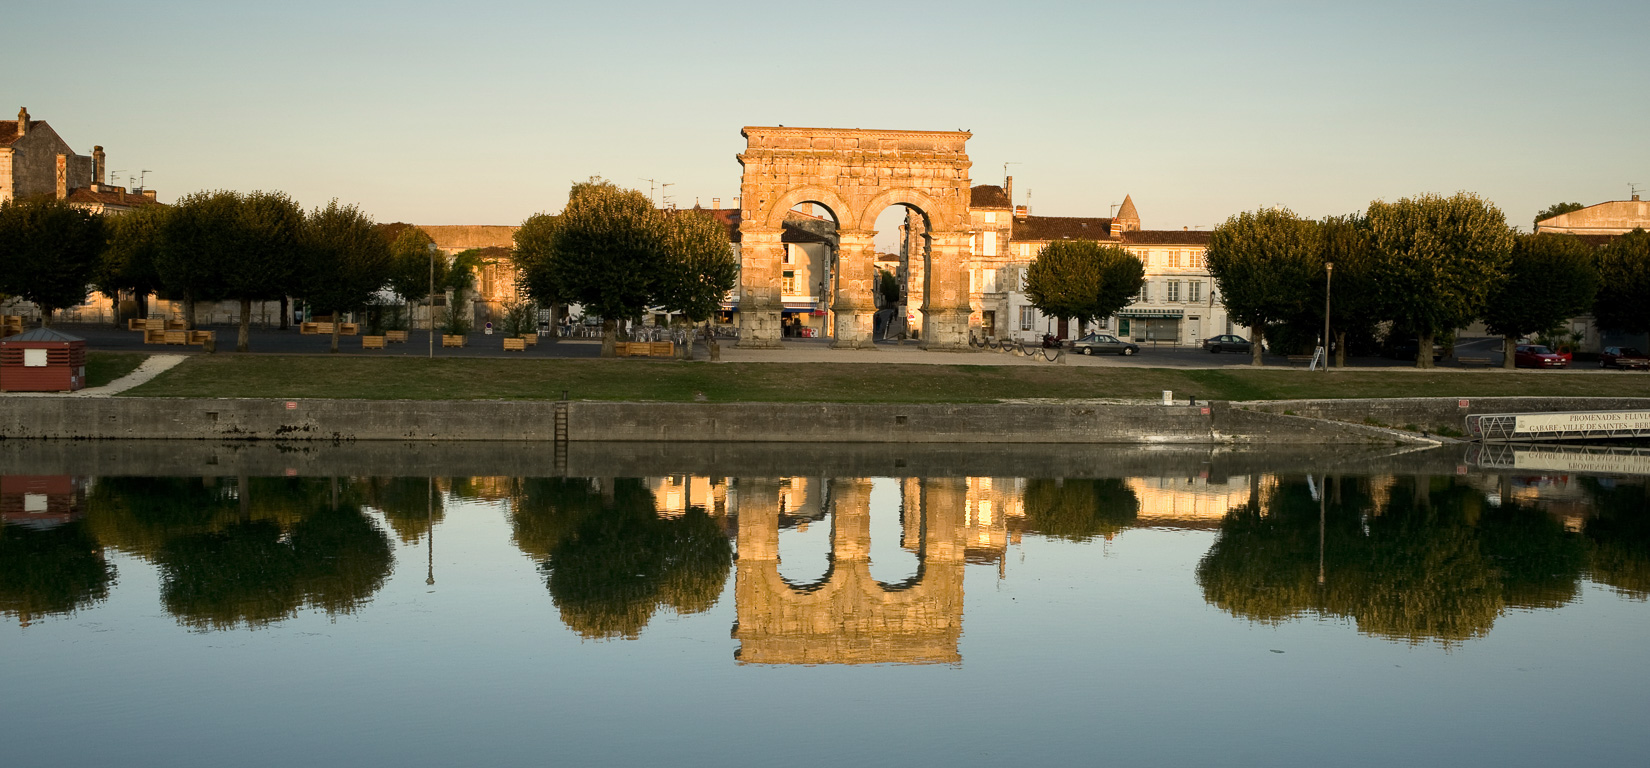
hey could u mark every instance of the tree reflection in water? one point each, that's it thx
(1618, 536)
(1079, 510)
(1433, 562)
(246, 551)
(50, 571)
(610, 560)
(407, 504)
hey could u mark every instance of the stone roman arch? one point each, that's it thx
(855, 174)
(849, 617)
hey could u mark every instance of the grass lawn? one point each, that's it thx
(481, 378)
(104, 367)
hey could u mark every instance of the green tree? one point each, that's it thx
(345, 261)
(1554, 210)
(198, 240)
(699, 270)
(606, 253)
(1355, 304)
(888, 287)
(1083, 279)
(1549, 278)
(49, 252)
(415, 268)
(461, 279)
(1618, 537)
(1624, 273)
(1265, 263)
(268, 235)
(128, 264)
(533, 257)
(1438, 258)
(1080, 509)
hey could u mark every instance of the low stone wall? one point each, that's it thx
(421, 420)
(1433, 414)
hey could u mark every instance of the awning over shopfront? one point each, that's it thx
(1142, 312)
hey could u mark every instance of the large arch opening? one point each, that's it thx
(896, 536)
(804, 533)
(809, 242)
(904, 249)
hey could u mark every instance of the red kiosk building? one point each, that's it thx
(42, 360)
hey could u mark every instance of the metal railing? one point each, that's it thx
(1018, 348)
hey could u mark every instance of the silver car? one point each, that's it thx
(1098, 343)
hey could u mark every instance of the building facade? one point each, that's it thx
(35, 161)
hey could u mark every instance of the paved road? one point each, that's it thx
(101, 337)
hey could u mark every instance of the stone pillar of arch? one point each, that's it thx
(853, 302)
(761, 254)
(944, 507)
(758, 538)
(850, 520)
(945, 301)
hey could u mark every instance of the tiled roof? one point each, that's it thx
(1167, 237)
(109, 197)
(988, 196)
(1061, 228)
(8, 131)
(45, 334)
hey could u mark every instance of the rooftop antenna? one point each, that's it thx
(664, 194)
(115, 176)
(1005, 171)
(1633, 190)
(1114, 207)
(143, 180)
(1028, 202)
(652, 186)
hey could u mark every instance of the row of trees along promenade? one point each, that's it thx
(1426, 265)
(609, 250)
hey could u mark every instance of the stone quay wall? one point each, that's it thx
(494, 420)
(1435, 413)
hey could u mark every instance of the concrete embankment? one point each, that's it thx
(580, 421)
(1446, 415)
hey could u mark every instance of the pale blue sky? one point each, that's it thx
(484, 112)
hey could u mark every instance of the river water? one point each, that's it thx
(194, 604)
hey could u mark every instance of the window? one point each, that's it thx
(1025, 250)
(786, 257)
(1145, 292)
(991, 243)
(1197, 259)
(788, 283)
(1174, 290)
(1028, 318)
(34, 358)
(989, 218)
(1194, 291)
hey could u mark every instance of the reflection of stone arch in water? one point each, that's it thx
(849, 617)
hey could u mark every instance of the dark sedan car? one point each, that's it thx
(1228, 343)
(1537, 356)
(1623, 357)
(1098, 343)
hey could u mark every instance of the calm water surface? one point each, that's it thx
(191, 604)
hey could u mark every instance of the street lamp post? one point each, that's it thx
(1328, 276)
(431, 301)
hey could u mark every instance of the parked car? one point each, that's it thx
(1405, 349)
(1103, 343)
(1623, 357)
(1228, 343)
(1537, 356)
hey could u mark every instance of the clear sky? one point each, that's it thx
(484, 112)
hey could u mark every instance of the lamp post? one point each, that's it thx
(431, 301)
(1328, 276)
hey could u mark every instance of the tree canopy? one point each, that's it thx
(346, 262)
(49, 252)
(1438, 259)
(49, 572)
(1624, 283)
(1078, 509)
(1265, 263)
(1554, 210)
(1549, 278)
(1083, 279)
(268, 236)
(129, 260)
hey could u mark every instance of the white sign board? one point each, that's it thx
(1599, 463)
(34, 358)
(1591, 421)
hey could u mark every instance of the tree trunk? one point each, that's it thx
(610, 335)
(1255, 335)
(555, 322)
(286, 311)
(45, 317)
(1340, 349)
(142, 300)
(711, 346)
(1423, 351)
(243, 343)
(188, 314)
(114, 303)
(336, 316)
(1508, 345)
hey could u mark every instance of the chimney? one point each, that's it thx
(1008, 188)
(716, 203)
(62, 176)
(149, 193)
(97, 164)
(1635, 197)
(22, 120)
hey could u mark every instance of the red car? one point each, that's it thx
(1623, 357)
(1537, 356)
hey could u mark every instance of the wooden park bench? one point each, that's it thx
(307, 329)
(662, 348)
(174, 324)
(372, 342)
(154, 336)
(324, 329)
(451, 341)
(395, 337)
(1300, 359)
(515, 344)
(1473, 360)
(137, 324)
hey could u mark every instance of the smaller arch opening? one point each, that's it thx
(804, 533)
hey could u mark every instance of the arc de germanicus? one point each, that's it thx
(855, 174)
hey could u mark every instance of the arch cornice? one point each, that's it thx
(773, 214)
